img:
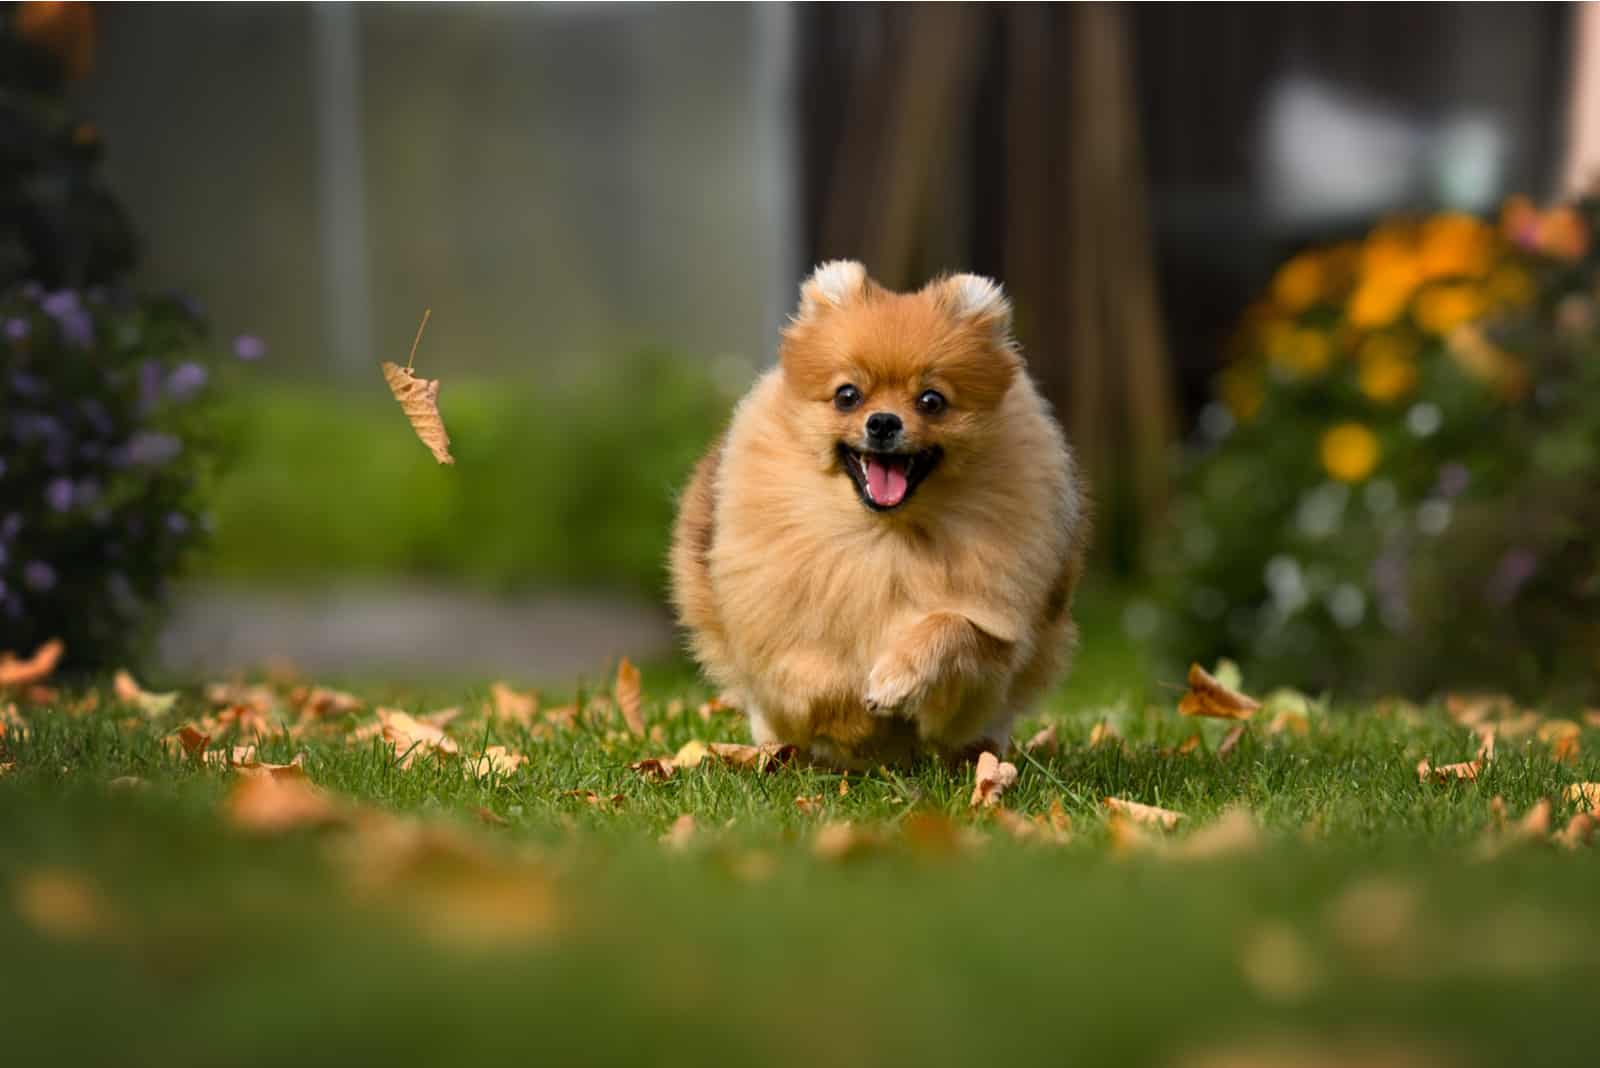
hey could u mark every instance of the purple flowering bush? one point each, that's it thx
(1397, 488)
(109, 440)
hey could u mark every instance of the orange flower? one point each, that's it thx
(1242, 392)
(1349, 452)
(1388, 368)
(1303, 353)
(1440, 309)
(1379, 300)
(1454, 245)
(1298, 284)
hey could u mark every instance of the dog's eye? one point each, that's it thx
(846, 397)
(931, 402)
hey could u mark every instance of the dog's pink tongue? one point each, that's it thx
(886, 482)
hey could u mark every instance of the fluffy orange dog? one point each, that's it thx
(878, 557)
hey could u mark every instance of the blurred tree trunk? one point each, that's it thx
(1005, 140)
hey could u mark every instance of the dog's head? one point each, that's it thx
(894, 389)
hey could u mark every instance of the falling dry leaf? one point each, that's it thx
(630, 695)
(1044, 739)
(1586, 794)
(1208, 697)
(655, 769)
(681, 833)
(766, 758)
(129, 692)
(509, 705)
(419, 400)
(271, 805)
(1149, 815)
(1231, 740)
(992, 778)
(1466, 770)
(14, 672)
(497, 760)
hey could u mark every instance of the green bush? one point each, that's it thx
(1399, 484)
(568, 483)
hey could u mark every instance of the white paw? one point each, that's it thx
(890, 688)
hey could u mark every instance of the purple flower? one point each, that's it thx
(59, 494)
(187, 379)
(25, 385)
(38, 576)
(33, 426)
(1454, 479)
(18, 329)
(75, 324)
(178, 523)
(150, 380)
(1513, 571)
(149, 448)
(249, 347)
(10, 526)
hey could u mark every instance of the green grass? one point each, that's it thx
(215, 946)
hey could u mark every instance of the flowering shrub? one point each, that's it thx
(107, 441)
(1398, 485)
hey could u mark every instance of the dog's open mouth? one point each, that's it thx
(886, 480)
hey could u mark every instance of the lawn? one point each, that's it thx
(548, 913)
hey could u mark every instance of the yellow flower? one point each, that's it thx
(1304, 353)
(1379, 300)
(1242, 392)
(1440, 309)
(1298, 283)
(1386, 378)
(1349, 452)
(1455, 244)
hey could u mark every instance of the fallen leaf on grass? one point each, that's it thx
(594, 800)
(629, 690)
(1044, 739)
(260, 698)
(992, 778)
(190, 739)
(419, 400)
(1534, 826)
(809, 806)
(1231, 740)
(764, 758)
(129, 692)
(409, 736)
(1234, 832)
(62, 904)
(1127, 836)
(692, 753)
(1586, 794)
(1466, 770)
(1577, 831)
(270, 805)
(497, 760)
(242, 759)
(681, 832)
(1290, 722)
(844, 785)
(15, 672)
(1469, 710)
(1209, 697)
(1103, 733)
(1189, 745)
(1485, 733)
(1054, 828)
(1149, 815)
(1521, 726)
(563, 717)
(319, 702)
(655, 769)
(843, 841)
(1562, 736)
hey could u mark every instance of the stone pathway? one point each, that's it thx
(410, 632)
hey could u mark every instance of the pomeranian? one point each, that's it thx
(877, 558)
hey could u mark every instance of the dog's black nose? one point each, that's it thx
(882, 426)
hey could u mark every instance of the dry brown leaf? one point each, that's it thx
(1234, 832)
(1485, 733)
(1103, 733)
(1231, 740)
(1054, 828)
(809, 806)
(442, 717)
(129, 692)
(1291, 722)
(654, 769)
(1044, 739)
(1189, 745)
(629, 689)
(1466, 770)
(691, 754)
(62, 904)
(190, 739)
(11, 722)
(1520, 726)
(564, 717)
(497, 760)
(766, 758)
(992, 778)
(843, 841)
(271, 805)
(594, 800)
(1149, 815)
(15, 672)
(1586, 794)
(319, 702)
(681, 832)
(1562, 736)
(260, 698)
(513, 706)
(419, 400)
(844, 785)
(1535, 823)
(1208, 697)
(1577, 831)
(1469, 710)
(1127, 836)
(409, 737)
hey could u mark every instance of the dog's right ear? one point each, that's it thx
(835, 284)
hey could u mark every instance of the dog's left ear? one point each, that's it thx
(974, 299)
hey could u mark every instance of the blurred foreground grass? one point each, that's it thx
(1365, 927)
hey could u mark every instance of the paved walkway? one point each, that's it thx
(410, 632)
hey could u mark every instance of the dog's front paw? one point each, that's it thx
(892, 687)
